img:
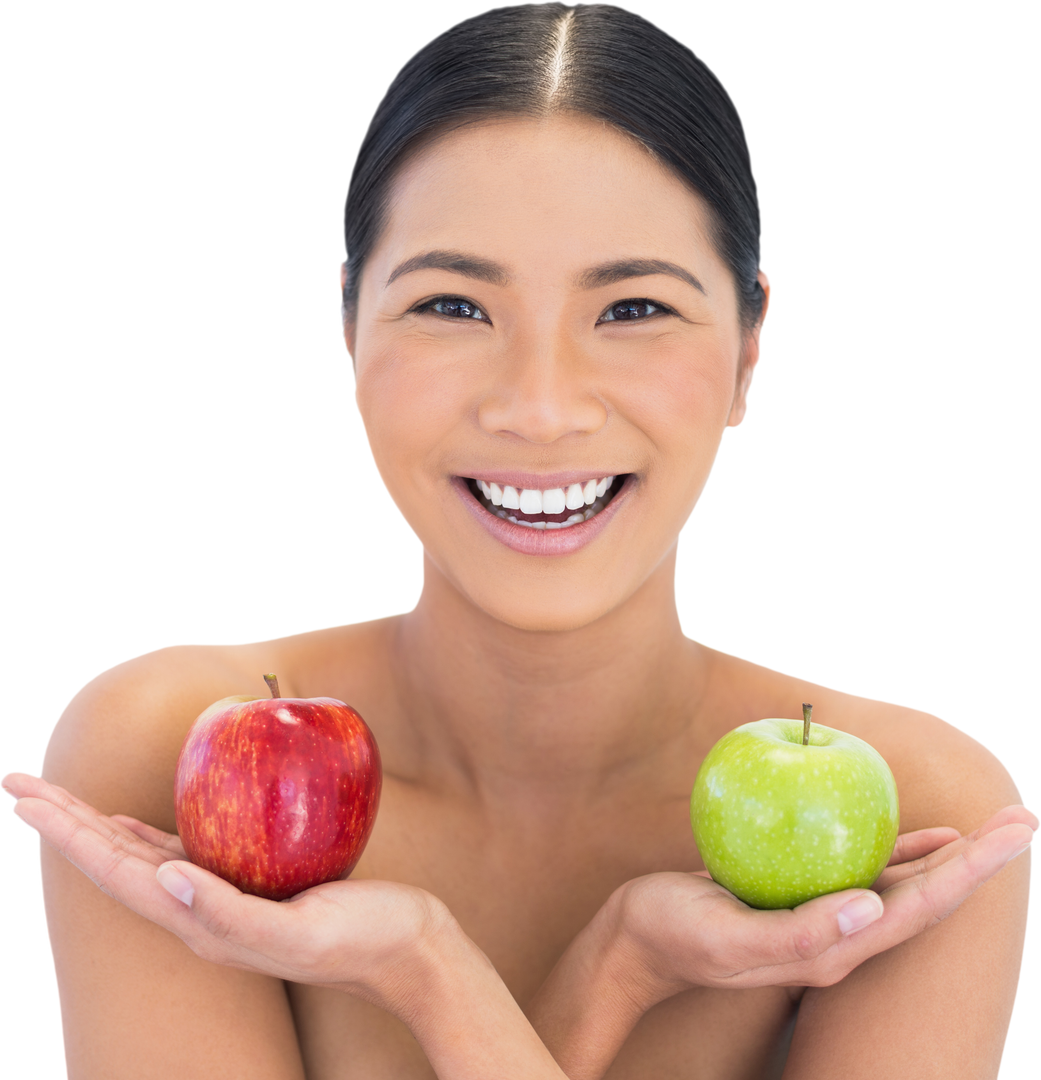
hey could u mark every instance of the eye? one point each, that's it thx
(633, 311)
(452, 307)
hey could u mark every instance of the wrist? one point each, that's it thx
(598, 992)
(628, 956)
(451, 998)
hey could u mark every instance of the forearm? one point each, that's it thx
(464, 1017)
(936, 1005)
(594, 997)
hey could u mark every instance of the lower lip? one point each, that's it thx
(542, 541)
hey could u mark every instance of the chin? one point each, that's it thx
(551, 616)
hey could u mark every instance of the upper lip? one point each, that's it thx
(539, 481)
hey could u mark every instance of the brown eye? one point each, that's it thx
(454, 307)
(630, 311)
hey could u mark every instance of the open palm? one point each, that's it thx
(343, 933)
(686, 930)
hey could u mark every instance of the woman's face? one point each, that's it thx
(544, 310)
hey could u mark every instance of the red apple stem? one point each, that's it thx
(807, 712)
(272, 685)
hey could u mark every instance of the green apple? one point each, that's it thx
(779, 820)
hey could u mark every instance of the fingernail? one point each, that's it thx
(175, 883)
(861, 912)
(1018, 851)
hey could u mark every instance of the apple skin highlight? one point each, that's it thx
(778, 823)
(277, 795)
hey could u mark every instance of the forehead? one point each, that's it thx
(560, 192)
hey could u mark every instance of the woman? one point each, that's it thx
(552, 292)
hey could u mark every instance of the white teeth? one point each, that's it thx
(581, 497)
(531, 501)
(573, 520)
(550, 501)
(553, 501)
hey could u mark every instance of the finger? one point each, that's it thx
(167, 841)
(820, 942)
(914, 845)
(769, 942)
(914, 905)
(95, 851)
(13, 783)
(894, 873)
(138, 883)
(1009, 815)
(22, 786)
(36, 789)
(116, 866)
(235, 928)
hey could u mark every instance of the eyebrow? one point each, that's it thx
(472, 266)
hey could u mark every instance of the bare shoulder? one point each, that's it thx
(116, 747)
(944, 776)
(117, 742)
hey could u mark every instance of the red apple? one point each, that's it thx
(277, 794)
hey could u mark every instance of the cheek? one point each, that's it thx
(409, 401)
(680, 395)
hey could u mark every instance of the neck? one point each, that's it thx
(500, 709)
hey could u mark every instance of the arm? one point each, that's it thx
(136, 1003)
(138, 997)
(466, 1020)
(393, 945)
(665, 933)
(939, 1004)
(935, 1006)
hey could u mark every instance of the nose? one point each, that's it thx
(543, 390)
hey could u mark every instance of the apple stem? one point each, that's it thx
(807, 712)
(272, 685)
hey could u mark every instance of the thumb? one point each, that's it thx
(859, 912)
(175, 881)
(805, 932)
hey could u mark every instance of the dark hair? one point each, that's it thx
(593, 59)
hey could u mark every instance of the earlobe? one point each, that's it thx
(348, 338)
(752, 359)
(742, 406)
(749, 368)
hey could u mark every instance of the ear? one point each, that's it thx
(749, 358)
(347, 328)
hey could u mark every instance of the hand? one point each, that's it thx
(391, 944)
(351, 935)
(689, 931)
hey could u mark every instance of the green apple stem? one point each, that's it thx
(272, 685)
(807, 712)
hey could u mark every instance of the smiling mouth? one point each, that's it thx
(542, 521)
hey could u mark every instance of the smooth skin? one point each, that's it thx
(531, 903)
